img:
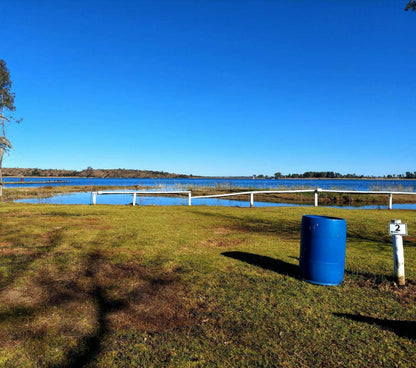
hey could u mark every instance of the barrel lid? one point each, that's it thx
(323, 217)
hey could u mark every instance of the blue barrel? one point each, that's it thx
(322, 249)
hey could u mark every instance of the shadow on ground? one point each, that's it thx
(265, 262)
(405, 329)
(22, 262)
(89, 346)
(287, 229)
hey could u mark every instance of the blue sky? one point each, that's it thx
(210, 87)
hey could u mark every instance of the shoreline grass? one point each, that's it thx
(102, 286)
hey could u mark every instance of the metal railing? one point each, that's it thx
(252, 193)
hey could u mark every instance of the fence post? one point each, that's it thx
(398, 256)
(134, 198)
(251, 199)
(316, 197)
(94, 198)
(391, 201)
(190, 199)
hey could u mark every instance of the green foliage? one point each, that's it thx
(323, 174)
(5, 144)
(6, 105)
(336, 175)
(35, 172)
(6, 94)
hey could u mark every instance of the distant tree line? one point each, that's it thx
(323, 174)
(89, 172)
(410, 175)
(333, 175)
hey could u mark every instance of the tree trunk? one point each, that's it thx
(1, 174)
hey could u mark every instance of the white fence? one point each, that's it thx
(135, 193)
(252, 193)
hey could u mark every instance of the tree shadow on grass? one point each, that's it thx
(89, 346)
(288, 229)
(159, 296)
(406, 329)
(379, 240)
(266, 263)
(20, 263)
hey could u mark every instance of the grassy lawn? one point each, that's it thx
(120, 286)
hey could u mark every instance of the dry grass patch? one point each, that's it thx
(80, 305)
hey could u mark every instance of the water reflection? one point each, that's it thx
(126, 199)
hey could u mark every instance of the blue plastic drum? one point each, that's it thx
(322, 249)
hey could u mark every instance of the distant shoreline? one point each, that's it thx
(151, 174)
(203, 177)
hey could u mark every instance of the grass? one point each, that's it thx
(105, 286)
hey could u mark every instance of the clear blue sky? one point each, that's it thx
(210, 87)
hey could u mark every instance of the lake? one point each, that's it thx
(347, 184)
(126, 199)
(170, 184)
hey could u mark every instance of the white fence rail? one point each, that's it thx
(135, 193)
(368, 192)
(252, 193)
(257, 192)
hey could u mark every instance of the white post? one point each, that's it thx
(251, 199)
(134, 198)
(94, 198)
(316, 197)
(398, 256)
(391, 201)
(190, 199)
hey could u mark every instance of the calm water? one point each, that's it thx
(170, 184)
(350, 184)
(126, 199)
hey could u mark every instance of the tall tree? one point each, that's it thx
(6, 107)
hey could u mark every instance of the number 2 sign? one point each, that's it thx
(398, 229)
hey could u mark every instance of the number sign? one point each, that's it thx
(398, 229)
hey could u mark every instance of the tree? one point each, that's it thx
(411, 5)
(6, 107)
(89, 171)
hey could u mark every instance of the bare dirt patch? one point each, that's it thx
(151, 301)
(406, 295)
(9, 249)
